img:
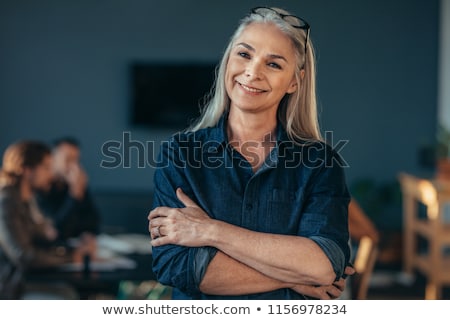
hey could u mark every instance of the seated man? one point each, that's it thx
(68, 202)
(27, 238)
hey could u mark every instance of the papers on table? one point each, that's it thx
(126, 243)
(112, 251)
(103, 264)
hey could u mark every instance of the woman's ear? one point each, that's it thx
(292, 87)
(302, 74)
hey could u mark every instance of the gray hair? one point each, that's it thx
(297, 111)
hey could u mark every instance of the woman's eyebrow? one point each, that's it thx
(245, 45)
(272, 55)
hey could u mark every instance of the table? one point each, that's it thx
(91, 283)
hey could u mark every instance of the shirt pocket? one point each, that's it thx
(282, 211)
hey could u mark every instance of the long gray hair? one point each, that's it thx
(297, 111)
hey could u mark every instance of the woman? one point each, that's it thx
(250, 203)
(27, 237)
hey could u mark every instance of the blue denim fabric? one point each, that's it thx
(299, 190)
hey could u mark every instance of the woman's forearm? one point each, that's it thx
(227, 276)
(288, 259)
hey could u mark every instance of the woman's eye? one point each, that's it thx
(274, 65)
(244, 54)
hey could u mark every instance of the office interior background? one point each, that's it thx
(382, 83)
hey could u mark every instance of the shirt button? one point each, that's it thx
(249, 206)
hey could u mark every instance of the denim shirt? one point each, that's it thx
(299, 190)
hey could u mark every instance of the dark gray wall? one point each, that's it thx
(63, 70)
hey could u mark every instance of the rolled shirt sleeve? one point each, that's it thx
(178, 266)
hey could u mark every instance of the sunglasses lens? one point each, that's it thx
(295, 22)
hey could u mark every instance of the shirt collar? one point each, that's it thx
(219, 132)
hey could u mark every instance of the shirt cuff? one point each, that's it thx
(333, 252)
(202, 258)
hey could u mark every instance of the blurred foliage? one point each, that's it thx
(143, 290)
(443, 142)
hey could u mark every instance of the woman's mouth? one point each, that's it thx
(250, 89)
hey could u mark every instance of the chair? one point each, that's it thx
(433, 262)
(366, 256)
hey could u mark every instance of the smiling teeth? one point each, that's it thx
(250, 89)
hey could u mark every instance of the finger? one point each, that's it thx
(324, 294)
(349, 270)
(185, 199)
(155, 232)
(161, 232)
(340, 284)
(320, 293)
(158, 212)
(160, 241)
(333, 292)
(159, 221)
(150, 226)
(156, 242)
(153, 214)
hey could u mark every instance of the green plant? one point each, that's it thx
(443, 142)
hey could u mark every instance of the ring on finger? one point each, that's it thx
(156, 232)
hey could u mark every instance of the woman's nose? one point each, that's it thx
(253, 70)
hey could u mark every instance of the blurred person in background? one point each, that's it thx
(68, 201)
(27, 237)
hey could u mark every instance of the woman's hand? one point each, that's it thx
(183, 226)
(332, 291)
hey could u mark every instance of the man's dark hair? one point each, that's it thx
(68, 140)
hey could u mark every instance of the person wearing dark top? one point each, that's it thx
(69, 202)
(27, 237)
(250, 202)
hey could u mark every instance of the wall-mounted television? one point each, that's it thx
(168, 94)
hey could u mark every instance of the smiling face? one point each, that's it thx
(260, 69)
